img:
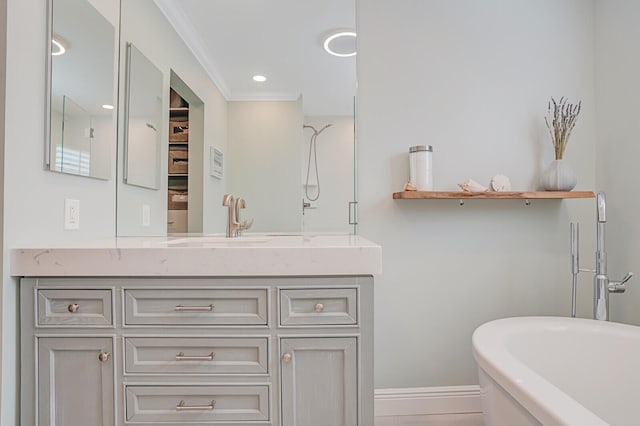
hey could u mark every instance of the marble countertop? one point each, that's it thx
(202, 255)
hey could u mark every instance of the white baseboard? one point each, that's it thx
(427, 401)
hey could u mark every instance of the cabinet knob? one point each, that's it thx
(286, 357)
(104, 356)
(319, 307)
(73, 307)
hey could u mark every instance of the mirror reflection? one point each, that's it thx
(143, 118)
(81, 88)
(249, 78)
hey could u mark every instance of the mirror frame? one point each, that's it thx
(46, 160)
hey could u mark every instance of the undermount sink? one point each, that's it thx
(216, 241)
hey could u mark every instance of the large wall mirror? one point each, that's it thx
(284, 142)
(80, 87)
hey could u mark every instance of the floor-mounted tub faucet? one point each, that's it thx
(602, 285)
(234, 225)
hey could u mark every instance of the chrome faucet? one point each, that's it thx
(234, 225)
(601, 284)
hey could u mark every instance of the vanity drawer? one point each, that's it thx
(195, 307)
(318, 306)
(169, 355)
(197, 404)
(74, 308)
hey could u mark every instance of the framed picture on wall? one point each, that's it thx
(217, 158)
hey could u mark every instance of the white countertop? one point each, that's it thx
(201, 255)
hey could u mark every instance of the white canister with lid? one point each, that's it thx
(420, 174)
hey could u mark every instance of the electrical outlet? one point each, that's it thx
(146, 215)
(71, 214)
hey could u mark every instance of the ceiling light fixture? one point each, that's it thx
(58, 48)
(259, 78)
(107, 106)
(342, 44)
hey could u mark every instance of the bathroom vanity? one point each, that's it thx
(274, 330)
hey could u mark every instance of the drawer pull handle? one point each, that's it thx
(286, 357)
(104, 356)
(207, 308)
(73, 307)
(182, 357)
(319, 307)
(182, 407)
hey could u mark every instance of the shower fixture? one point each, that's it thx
(312, 148)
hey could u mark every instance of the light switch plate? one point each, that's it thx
(71, 214)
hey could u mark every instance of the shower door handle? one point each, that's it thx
(353, 213)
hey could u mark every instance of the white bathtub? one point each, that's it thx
(558, 371)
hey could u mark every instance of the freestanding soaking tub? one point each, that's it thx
(558, 371)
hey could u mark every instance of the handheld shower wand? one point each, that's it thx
(312, 146)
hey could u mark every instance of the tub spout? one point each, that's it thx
(601, 284)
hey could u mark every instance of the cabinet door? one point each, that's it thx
(75, 381)
(319, 381)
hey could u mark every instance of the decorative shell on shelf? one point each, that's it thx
(500, 183)
(471, 185)
(409, 187)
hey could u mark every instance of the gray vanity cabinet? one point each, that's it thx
(75, 381)
(319, 381)
(171, 351)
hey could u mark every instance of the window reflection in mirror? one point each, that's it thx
(143, 120)
(81, 88)
(75, 133)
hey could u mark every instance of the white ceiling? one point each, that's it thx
(85, 73)
(280, 39)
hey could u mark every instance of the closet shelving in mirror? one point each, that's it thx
(461, 195)
(179, 111)
(178, 174)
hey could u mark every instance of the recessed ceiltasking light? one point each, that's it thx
(342, 44)
(107, 106)
(57, 48)
(259, 78)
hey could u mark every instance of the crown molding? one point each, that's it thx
(183, 26)
(240, 95)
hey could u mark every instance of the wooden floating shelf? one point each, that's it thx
(459, 195)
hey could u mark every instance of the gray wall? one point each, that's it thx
(618, 88)
(34, 198)
(263, 162)
(473, 80)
